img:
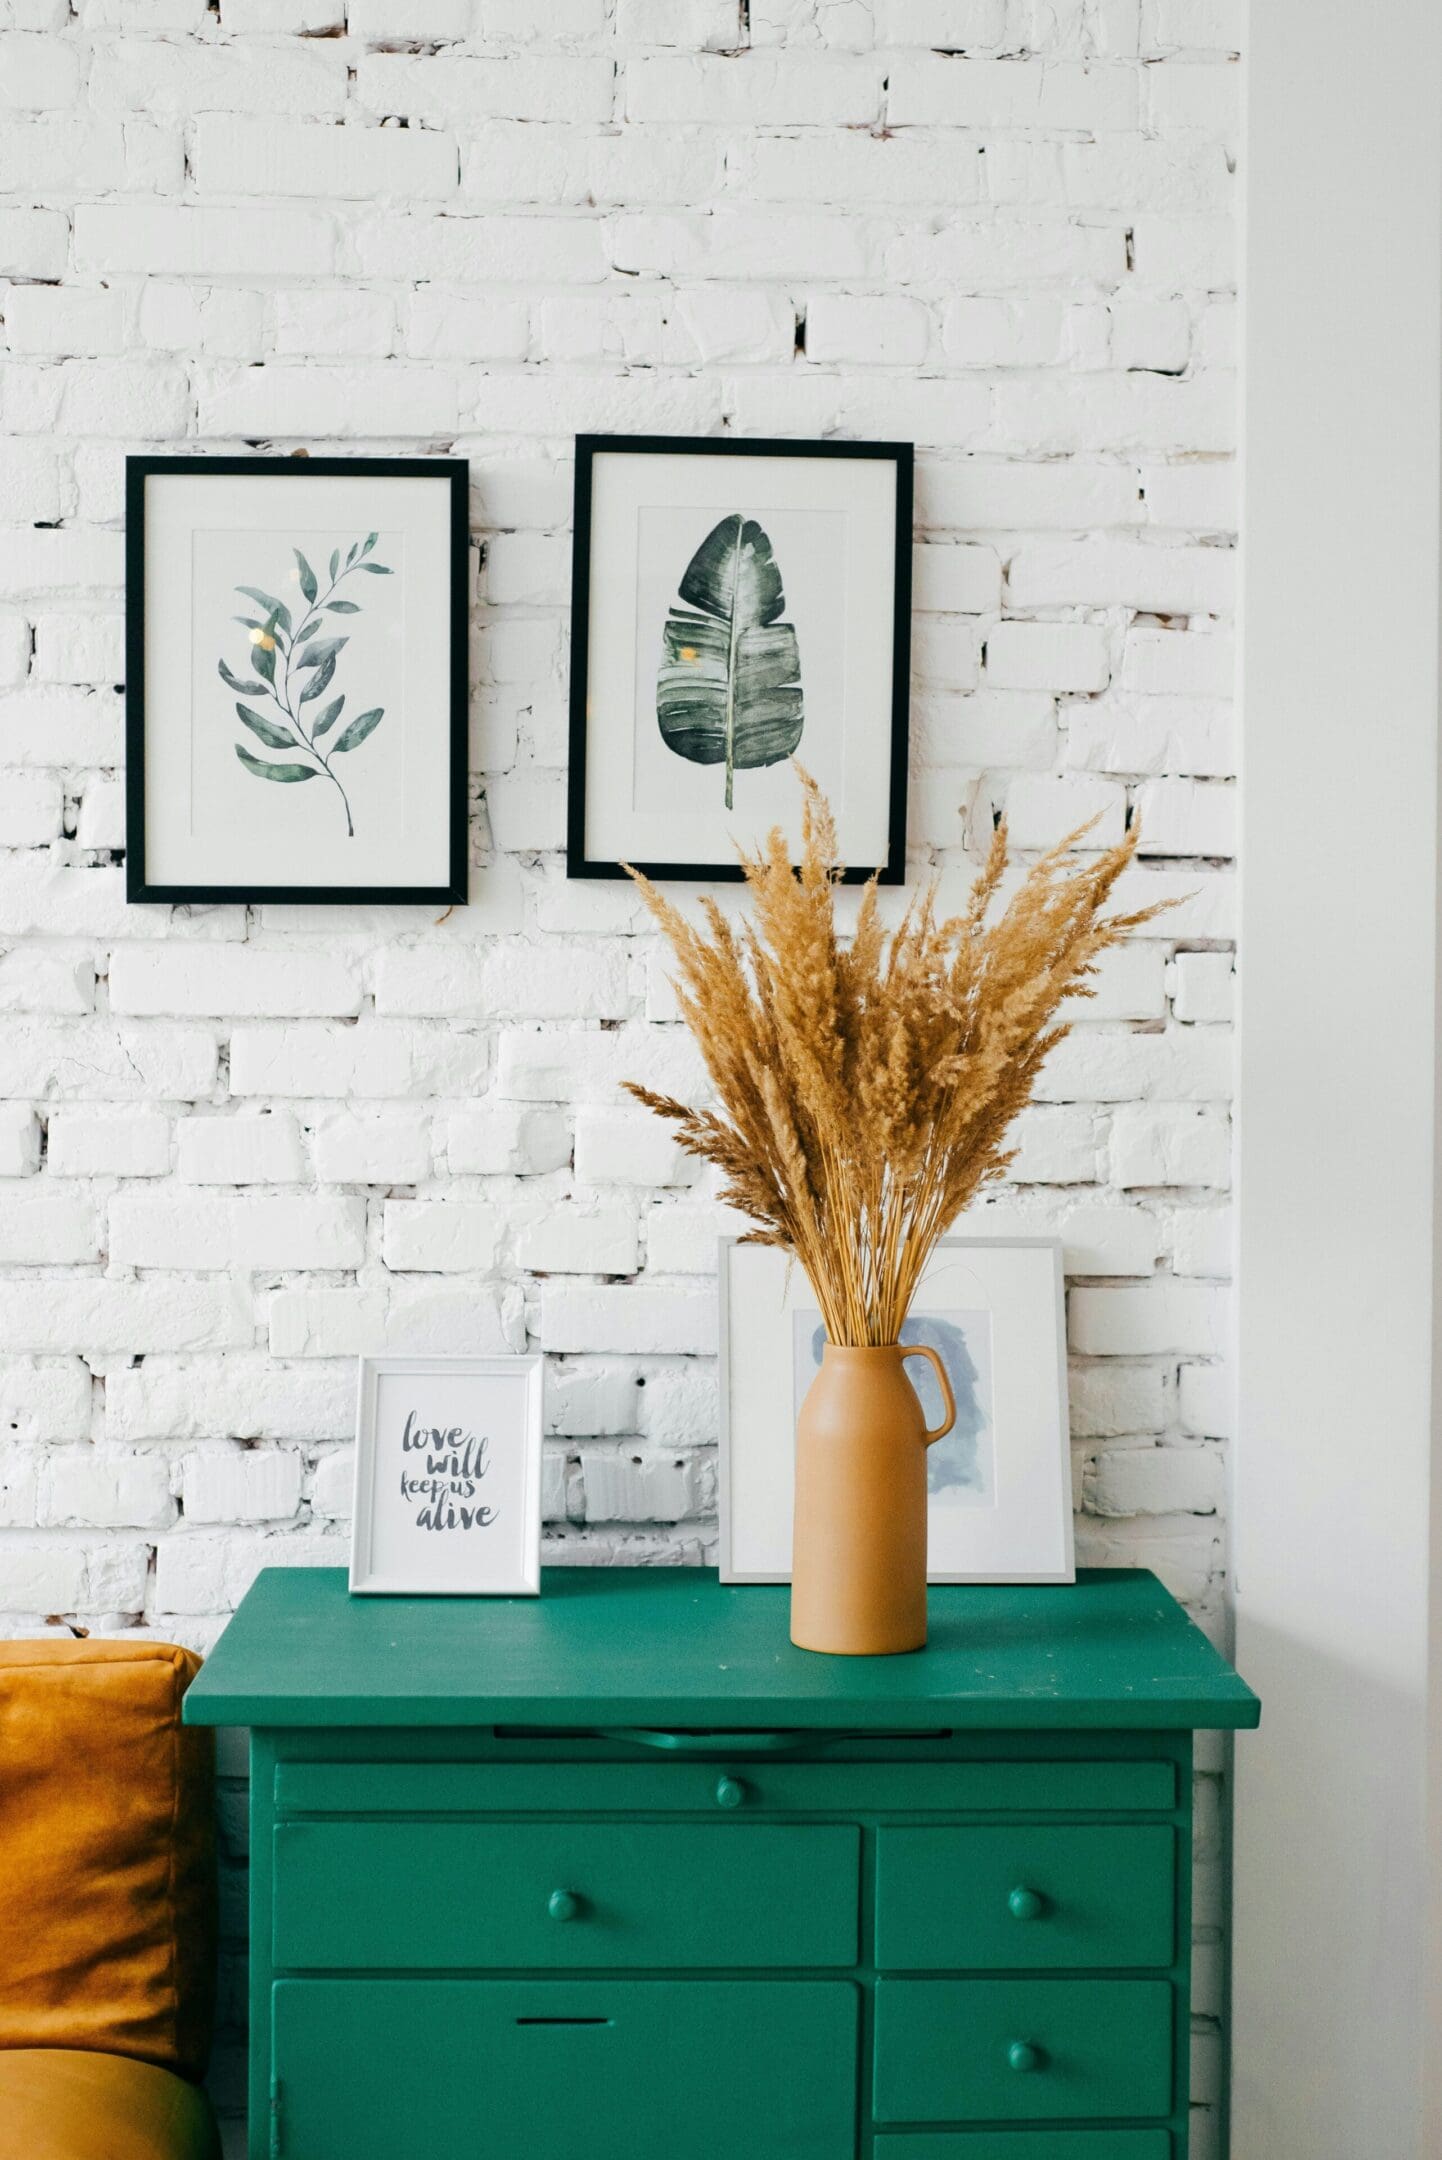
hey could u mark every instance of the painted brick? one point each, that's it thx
(1202, 986)
(953, 91)
(1047, 656)
(40, 1228)
(1110, 1398)
(240, 1486)
(242, 980)
(236, 156)
(628, 1319)
(241, 1395)
(764, 89)
(99, 1488)
(442, 90)
(19, 1140)
(240, 1150)
(204, 1232)
(1157, 1317)
(87, 1143)
(629, 1147)
(580, 1240)
(373, 1148)
(1156, 1481)
(33, 243)
(1041, 810)
(99, 1318)
(31, 806)
(508, 1138)
(441, 1236)
(159, 238)
(1170, 1144)
(51, 981)
(90, 1057)
(377, 1059)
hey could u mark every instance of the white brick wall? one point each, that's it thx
(240, 1145)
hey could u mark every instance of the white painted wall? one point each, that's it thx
(1332, 1491)
(236, 1146)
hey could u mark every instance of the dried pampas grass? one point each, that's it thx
(864, 1089)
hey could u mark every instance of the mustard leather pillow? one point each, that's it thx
(107, 1853)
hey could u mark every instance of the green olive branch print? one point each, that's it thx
(309, 660)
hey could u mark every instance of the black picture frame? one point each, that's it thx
(588, 447)
(451, 888)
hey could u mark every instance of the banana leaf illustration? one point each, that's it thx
(729, 687)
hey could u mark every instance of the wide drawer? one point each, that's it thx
(446, 1894)
(1024, 2145)
(1028, 1897)
(682, 1783)
(1022, 2050)
(556, 2070)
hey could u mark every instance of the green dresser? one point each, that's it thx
(616, 1873)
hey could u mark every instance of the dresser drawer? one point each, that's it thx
(429, 1895)
(1024, 2145)
(1027, 1898)
(682, 1783)
(1022, 2050)
(556, 2070)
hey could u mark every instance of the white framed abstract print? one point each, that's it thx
(447, 1477)
(999, 1501)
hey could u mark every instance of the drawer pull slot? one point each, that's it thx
(1026, 1904)
(1023, 2056)
(562, 2021)
(563, 1905)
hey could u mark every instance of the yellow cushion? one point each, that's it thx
(65, 2104)
(107, 1856)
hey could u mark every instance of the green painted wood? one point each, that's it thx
(564, 1895)
(483, 2070)
(1027, 1898)
(1024, 2145)
(607, 1647)
(835, 1786)
(944, 2050)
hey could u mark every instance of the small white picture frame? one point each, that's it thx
(447, 1477)
(999, 1503)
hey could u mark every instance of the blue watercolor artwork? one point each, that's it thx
(960, 1469)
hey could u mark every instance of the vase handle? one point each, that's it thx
(922, 1349)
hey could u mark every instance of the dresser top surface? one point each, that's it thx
(674, 1646)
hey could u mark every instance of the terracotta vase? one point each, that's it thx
(858, 1573)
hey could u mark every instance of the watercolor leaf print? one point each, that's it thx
(728, 691)
(294, 663)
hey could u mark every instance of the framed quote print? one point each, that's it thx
(296, 725)
(448, 1477)
(737, 608)
(999, 1500)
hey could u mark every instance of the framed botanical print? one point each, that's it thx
(737, 608)
(448, 1477)
(296, 725)
(999, 1500)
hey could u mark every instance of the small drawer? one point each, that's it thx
(681, 1784)
(1022, 2050)
(434, 1895)
(1024, 2145)
(1028, 1898)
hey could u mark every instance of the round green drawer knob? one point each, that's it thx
(563, 1905)
(1023, 2056)
(1026, 1904)
(730, 1792)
